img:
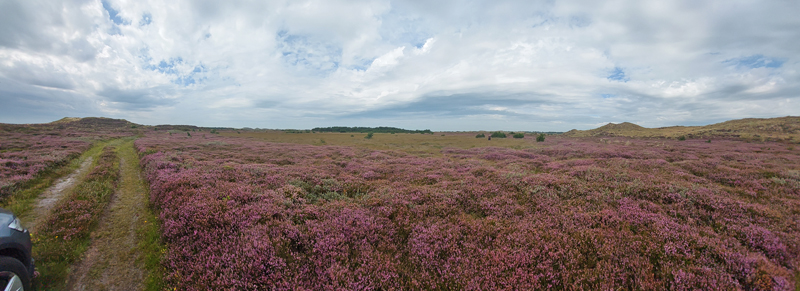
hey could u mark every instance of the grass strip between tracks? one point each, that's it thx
(148, 232)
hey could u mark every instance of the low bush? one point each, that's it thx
(519, 135)
(480, 135)
(498, 134)
(540, 137)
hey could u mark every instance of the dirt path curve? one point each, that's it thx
(50, 197)
(112, 261)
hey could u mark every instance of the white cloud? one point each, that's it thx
(521, 65)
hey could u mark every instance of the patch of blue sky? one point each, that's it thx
(305, 53)
(114, 30)
(607, 96)
(577, 21)
(419, 44)
(755, 61)
(618, 75)
(168, 66)
(146, 19)
(199, 69)
(114, 14)
(400, 29)
(361, 65)
(184, 81)
(196, 76)
(173, 67)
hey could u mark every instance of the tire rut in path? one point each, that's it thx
(112, 261)
(50, 197)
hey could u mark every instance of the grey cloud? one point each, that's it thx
(140, 99)
(265, 104)
(41, 27)
(50, 76)
(15, 24)
(23, 103)
(463, 104)
(501, 63)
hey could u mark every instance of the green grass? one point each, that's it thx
(65, 236)
(148, 231)
(416, 144)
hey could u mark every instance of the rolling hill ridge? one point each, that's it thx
(766, 129)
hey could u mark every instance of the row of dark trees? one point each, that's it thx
(500, 134)
(380, 129)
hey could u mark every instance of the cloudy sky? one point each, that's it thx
(418, 64)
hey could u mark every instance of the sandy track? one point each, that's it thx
(50, 197)
(112, 262)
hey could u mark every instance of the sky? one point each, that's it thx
(442, 65)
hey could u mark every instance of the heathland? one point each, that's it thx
(619, 207)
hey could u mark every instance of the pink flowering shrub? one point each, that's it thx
(571, 214)
(28, 150)
(23, 156)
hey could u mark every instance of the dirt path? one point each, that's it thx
(113, 262)
(49, 198)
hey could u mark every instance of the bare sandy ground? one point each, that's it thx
(48, 199)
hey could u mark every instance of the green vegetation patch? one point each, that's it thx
(65, 235)
(498, 134)
(380, 129)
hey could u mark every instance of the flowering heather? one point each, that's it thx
(23, 156)
(571, 213)
(28, 150)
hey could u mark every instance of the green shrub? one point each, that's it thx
(540, 137)
(498, 134)
(369, 136)
(682, 137)
(480, 135)
(519, 135)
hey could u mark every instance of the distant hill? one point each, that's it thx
(83, 124)
(782, 128)
(66, 120)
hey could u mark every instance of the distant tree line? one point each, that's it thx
(381, 129)
(189, 128)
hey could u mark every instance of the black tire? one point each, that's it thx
(12, 265)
